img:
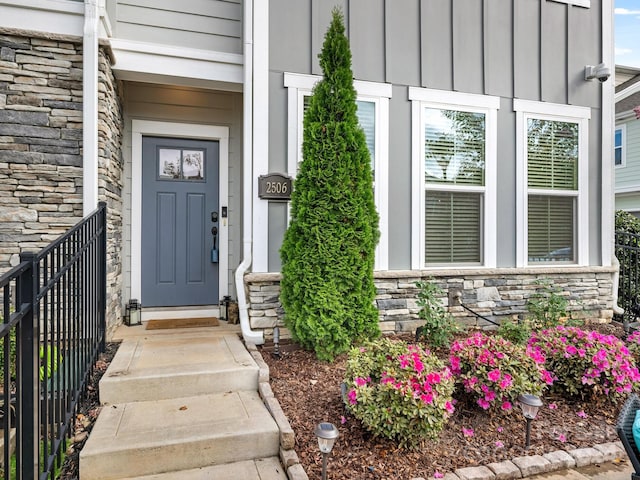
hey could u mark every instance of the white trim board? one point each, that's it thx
(140, 61)
(140, 128)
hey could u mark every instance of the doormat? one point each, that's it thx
(182, 323)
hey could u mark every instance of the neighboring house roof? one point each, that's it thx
(627, 94)
(623, 74)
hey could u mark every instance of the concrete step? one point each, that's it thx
(157, 367)
(261, 469)
(147, 438)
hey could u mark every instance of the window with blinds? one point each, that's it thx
(619, 147)
(454, 169)
(552, 181)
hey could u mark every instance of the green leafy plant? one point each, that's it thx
(547, 307)
(12, 356)
(587, 364)
(439, 327)
(495, 371)
(328, 250)
(399, 391)
(515, 330)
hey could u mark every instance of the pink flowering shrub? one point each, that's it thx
(398, 391)
(633, 344)
(495, 371)
(587, 364)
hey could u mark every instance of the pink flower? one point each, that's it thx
(483, 403)
(552, 406)
(343, 420)
(499, 444)
(494, 375)
(562, 437)
(352, 397)
(506, 406)
(499, 429)
(448, 407)
(581, 414)
(437, 474)
(467, 432)
(360, 382)
(427, 398)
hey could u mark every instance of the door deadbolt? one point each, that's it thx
(214, 217)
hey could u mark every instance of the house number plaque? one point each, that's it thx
(274, 186)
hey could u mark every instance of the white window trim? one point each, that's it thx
(489, 105)
(299, 86)
(623, 128)
(526, 109)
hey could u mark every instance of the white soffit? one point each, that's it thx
(144, 62)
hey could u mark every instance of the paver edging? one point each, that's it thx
(288, 455)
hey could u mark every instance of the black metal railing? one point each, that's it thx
(627, 250)
(52, 330)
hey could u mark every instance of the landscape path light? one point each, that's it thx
(530, 405)
(327, 434)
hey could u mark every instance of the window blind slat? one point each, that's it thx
(453, 226)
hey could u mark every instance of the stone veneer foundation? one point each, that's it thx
(41, 148)
(493, 293)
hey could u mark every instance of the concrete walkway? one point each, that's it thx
(605, 471)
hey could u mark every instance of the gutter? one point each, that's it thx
(252, 336)
(90, 107)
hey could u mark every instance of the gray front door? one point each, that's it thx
(179, 204)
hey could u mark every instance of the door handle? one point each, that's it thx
(214, 250)
(214, 217)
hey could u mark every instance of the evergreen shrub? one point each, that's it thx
(328, 251)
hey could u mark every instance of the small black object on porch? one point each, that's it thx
(623, 428)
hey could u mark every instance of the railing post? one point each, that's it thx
(29, 398)
(102, 258)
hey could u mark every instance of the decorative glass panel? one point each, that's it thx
(453, 226)
(551, 228)
(552, 154)
(454, 144)
(177, 164)
(193, 164)
(169, 163)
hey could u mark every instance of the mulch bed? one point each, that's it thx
(88, 411)
(309, 392)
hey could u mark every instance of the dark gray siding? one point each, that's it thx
(527, 49)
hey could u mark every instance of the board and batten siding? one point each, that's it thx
(145, 101)
(214, 25)
(526, 49)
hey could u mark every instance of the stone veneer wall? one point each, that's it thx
(493, 293)
(110, 181)
(41, 148)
